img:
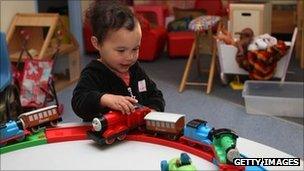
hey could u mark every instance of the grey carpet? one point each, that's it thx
(222, 108)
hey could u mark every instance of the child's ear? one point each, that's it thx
(94, 41)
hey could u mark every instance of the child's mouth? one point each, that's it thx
(125, 65)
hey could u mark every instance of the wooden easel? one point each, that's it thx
(195, 53)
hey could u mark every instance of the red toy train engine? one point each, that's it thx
(115, 125)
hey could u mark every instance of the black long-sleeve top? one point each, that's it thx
(96, 80)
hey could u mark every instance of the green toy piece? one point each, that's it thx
(30, 141)
(224, 144)
(178, 164)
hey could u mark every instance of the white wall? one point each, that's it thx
(9, 8)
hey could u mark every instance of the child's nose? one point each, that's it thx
(130, 56)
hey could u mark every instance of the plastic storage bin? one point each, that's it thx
(274, 98)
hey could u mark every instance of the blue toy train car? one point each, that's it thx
(198, 130)
(12, 130)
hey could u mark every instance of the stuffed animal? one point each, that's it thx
(259, 55)
(225, 36)
(246, 36)
(261, 64)
(262, 42)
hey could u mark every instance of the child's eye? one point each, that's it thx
(121, 50)
(135, 49)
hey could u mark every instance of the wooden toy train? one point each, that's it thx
(114, 125)
(29, 121)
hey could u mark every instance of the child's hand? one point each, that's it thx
(117, 102)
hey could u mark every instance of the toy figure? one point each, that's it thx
(246, 36)
(225, 36)
(178, 164)
(262, 42)
(184, 160)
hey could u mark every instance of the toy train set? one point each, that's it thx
(220, 143)
(30, 121)
(197, 137)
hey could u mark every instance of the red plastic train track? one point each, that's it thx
(74, 133)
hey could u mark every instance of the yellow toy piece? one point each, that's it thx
(236, 84)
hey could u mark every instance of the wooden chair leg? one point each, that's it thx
(198, 63)
(213, 59)
(212, 69)
(197, 54)
(187, 68)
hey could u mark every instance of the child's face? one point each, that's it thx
(119, 50)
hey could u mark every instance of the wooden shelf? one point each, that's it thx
(42, 29)
(283, 21)
(64, 49)
(300, 38)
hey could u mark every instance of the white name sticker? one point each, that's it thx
(142, 86)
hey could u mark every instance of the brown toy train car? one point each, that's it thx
(36, 119)
(168, 124)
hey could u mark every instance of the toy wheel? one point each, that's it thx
(207, 148)
(21, 138)
(175, 137)
(110, 141)
(164, 165)
(54, 123)
(172, 137)
(232, 154)
(3, 144)
(141, 128)
(35, 129)
(191, 144)
(122, 137)
(182, 141)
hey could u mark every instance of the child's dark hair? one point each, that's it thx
(108, 15)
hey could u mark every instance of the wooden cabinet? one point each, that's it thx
(283, 17)
(300, 38)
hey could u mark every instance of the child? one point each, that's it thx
(115, 81)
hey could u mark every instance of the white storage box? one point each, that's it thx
(274, 98)
(228, 64)
(256, 16)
